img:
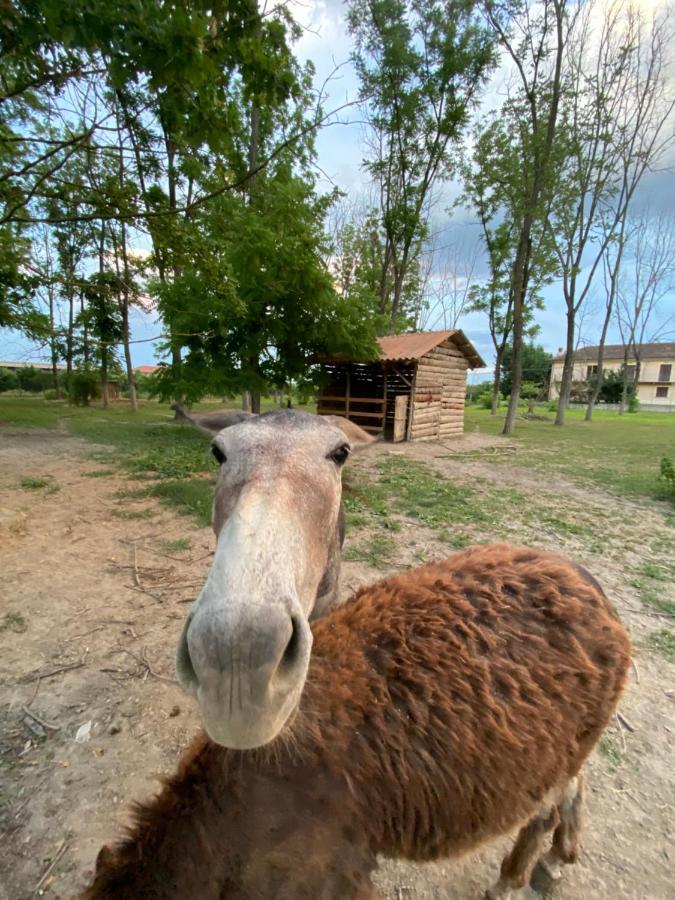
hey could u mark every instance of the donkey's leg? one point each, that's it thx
(517, 866)
(566, 838)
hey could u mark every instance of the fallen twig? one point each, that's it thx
(47, 673)
(137, 579)
(636, 670)
(57, 856)
(143, 661)
(49, 726)
(143, 590)
(626, 724)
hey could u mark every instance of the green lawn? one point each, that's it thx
(147, 445)
(619, 453)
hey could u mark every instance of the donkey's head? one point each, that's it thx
(278, 518)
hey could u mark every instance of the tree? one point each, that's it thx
(536, 368)
(644, 126)
(646, 283)
(449, 284)
(420, 69)
(495, 183)
(534, 41)
(614, 110)
(104, 320)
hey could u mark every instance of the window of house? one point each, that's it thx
(662, 392)
(591, 371)
(664, 372)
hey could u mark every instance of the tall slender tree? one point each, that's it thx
(421, 68)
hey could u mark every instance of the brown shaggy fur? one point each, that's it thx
(443, 707)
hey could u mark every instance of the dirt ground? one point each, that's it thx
(92, 605)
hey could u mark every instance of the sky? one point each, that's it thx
(327, 43)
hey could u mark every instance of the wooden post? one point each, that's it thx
(348, 391)
(384, 405)
(411, 414)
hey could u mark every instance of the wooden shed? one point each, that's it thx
(414, 391)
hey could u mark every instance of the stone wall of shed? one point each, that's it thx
(438, 399)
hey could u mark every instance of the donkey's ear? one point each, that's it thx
(214, 422)
(357, 437)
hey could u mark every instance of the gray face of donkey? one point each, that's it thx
(277, 514)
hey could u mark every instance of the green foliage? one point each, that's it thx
(612, 385)
(84, 385)
(536, 369)
(633, 403)
(33, 380)
(8, 380)
(420, 67)
(667, 474)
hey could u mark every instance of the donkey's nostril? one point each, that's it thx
(292, 651)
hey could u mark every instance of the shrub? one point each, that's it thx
(552, 405)
(83, 387)
(51, 394)
(8, 380)
(633, 404)
(667, 475)
(34, 380)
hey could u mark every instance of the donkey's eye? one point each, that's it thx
(218, 454)
(340, 454)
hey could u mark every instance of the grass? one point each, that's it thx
(13, 622)
(37, 483)
(133, 513)
(176, 546)
(190, 497)
(610, 748)
(377, 551)
(412, 490)
(663, 643)
(650, 583)
(621, 453)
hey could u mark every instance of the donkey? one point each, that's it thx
(443, 707)
(279, 522)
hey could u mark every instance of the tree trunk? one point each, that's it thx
(495, 387)
(52, 342)
(595, 393)
(519, 295)
(104, 375)
(125, 323)
(69, 334)
(624, 385)
(246, 401)
(567, 372)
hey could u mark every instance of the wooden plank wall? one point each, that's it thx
(440, 386)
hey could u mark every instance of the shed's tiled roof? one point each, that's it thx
(415, 345)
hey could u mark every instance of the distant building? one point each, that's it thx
(656, 384)
(146, 370)
(15, 365)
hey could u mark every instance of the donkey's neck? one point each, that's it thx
(236, 826)
(327, 592)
